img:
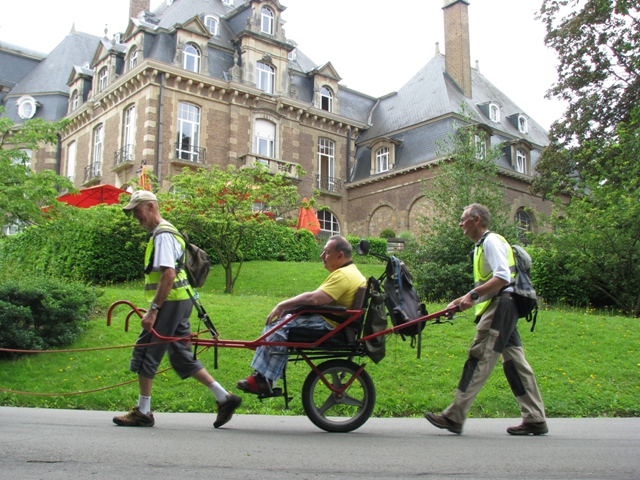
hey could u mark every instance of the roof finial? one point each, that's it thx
(106, 31)
(437, 49)
(478, 65)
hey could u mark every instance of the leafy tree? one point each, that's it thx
(598, 47)
(223, 208)
(467, 174)
(24, 193)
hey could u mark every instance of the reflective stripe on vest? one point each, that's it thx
(484, 301)
(151, 280)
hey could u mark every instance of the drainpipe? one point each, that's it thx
(160, 130)
(348, 154)
(59, 154)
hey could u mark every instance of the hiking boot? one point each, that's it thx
(255, 383)
(529, 429)
(135, 418)
(441, 421)
(226, 409)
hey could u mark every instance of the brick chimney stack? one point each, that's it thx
(136, 7)
(456, 43)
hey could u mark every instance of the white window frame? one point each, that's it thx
(521, 161)
(523, 124)
(481, 146)
(524, 224)
(264, 138)
(494, 113)
(75, 100)
(326, 99)
(103, 75)
(72, 152)
(189, 123)
(211, 21)
(266, 20)
(98, 143)
(133, 57)
(326, 162)
(329, 224)
(27, 107)
(128, 131)
(191, 58)
(382, 159)
(265, 76)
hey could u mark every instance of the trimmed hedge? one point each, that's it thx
(43, 313)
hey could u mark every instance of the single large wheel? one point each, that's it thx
(335, 411)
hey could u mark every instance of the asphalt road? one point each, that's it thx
(63, 444)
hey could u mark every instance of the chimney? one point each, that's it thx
(136, 7)
(456, 43)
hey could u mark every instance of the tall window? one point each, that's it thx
(133, 58)
(98, 138)
(75, 100)
(128, 133)
(188, 132)
(524, 223)
(328, 223)
(523, 125)
(521, 161)
(191, 58)
(481, 146)
(265, 76)
(494, 113)
(382, 160)
(71, 161)
(264, 138)
(102, 79)
(326, 97)
(326, 164)
(267, 21)
(211, 23)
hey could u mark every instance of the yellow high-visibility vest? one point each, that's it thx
(484, 301)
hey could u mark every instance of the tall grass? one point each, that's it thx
(587, 364)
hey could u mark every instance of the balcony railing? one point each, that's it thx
(328, 184)
(125, 154)
(189, 153)
(290, 170)
(92, 172)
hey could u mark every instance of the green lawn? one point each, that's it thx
(587, 364)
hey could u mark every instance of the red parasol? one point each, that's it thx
(307, 218)
(88, 197)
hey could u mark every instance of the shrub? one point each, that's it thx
(273, 241)
(387, 233)
(43, 312)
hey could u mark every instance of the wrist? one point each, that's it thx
(474, 295)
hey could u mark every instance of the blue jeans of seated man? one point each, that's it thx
(270, 361)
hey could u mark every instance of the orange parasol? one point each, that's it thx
(308, 219)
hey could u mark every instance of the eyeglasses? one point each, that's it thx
(464, 219)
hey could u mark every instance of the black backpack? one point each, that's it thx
(524, 295)
(195, 262)
(402, 300)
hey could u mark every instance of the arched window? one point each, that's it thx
(326, 97)
(26, 107)
(211, 23)
(133, 58)
(265, 75)
(524, 224)
(264, 138)
(75, 100)
(328, 223)
(102, 79)
(267, 20)
(382, 160)
(494, 113)
(523, 125)
(191, 58)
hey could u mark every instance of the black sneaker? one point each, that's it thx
(135, 418)
(441, 421)
(226, 409)
(529, 429)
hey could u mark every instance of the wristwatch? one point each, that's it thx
(154, 306)
(474, 295)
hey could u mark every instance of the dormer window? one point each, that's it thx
(267, 21)
(521, 161)
(26, 107)
(383, 156)
(523, 124)
(75, 100)
(494, 113)
(133, 57)
(211, 23)
(326, 99)
(481, 146)
(191, 58)
(265, 75)
(102, 79)
(292, 55)
(382, 160)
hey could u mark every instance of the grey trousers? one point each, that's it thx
(497, 335)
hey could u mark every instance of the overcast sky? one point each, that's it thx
(375, 45)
